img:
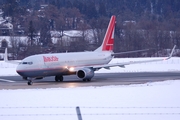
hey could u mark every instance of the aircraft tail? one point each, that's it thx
(5, 56)
(108, 41)
(11, 61)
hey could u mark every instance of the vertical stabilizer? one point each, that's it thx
(5, 56)
(11, 61)
(108, 41)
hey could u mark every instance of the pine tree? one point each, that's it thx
(31, 32)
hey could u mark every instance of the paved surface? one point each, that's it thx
(100, 79)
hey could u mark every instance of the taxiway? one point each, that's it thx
(100, 79)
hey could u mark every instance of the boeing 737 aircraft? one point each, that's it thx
(82, 64)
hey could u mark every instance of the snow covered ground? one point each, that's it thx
(150, 101)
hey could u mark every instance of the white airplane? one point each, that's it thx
(82, 64)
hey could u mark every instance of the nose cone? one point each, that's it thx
(26, 71)
(19, 70)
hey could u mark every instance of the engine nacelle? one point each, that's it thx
(85, 73)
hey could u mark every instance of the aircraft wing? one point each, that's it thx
(127, 52)
(10, 61)
(122, 64)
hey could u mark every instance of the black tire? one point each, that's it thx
(58, 78)
(29, 82)
(86, 80)
(61, 78)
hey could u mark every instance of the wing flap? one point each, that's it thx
(122, 64)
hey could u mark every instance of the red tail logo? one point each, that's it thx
(108, 41)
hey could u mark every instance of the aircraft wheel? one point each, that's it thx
(86, 80)
(30, 82)
(58, 78)
(61, 78)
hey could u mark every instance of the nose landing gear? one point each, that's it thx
(30, 82)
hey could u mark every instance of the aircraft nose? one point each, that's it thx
(20, 70)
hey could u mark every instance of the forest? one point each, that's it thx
(140, 24)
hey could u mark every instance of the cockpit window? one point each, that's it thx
(29, 63)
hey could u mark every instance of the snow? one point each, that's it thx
(69, 35)
(150, 101)
(14, 40)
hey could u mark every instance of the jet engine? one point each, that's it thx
(85, 73)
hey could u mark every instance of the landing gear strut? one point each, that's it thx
(24, 78)
(58, 78)
(30, 81)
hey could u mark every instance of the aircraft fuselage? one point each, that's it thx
(60, 63)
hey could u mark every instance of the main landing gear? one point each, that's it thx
(86, 80)
(58, 78)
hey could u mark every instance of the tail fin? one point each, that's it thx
(11, 61)
(108, 41)
(5, 56)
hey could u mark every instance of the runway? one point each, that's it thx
(100, 79)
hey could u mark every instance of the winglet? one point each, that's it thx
(5, 56)
(172, 51)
